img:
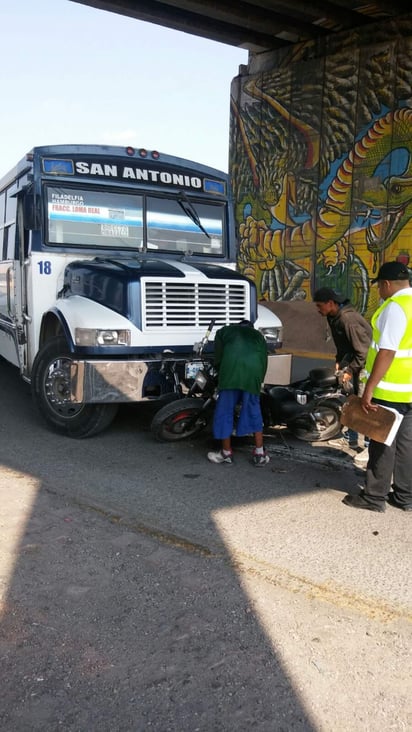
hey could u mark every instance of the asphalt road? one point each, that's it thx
(144, 588)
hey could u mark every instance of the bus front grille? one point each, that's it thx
(176, 304)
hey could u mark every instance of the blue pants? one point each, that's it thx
(352, 436)
(250, 416)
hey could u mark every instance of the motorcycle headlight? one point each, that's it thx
(97, 337)
(200, 379)
(273, 337)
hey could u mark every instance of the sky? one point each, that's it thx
(74, 74)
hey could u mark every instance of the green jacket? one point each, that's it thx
(240, 358)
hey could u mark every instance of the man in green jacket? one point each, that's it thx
(241, 361)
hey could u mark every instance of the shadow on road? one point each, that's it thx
(107, 625)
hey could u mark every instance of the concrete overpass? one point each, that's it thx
(258, 25)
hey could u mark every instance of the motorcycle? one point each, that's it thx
(309, 408)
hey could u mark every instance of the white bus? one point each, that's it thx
(109, 258)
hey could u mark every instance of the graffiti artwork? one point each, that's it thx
(321, 162)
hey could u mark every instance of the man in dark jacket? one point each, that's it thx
(351, 334)
(241, 361)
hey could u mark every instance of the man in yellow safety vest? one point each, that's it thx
(389, 382)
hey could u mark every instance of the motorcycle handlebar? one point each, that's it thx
(198, 347)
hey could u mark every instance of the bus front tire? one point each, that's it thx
(50, 385)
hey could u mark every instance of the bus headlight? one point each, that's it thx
(273, 337)
(96, 337)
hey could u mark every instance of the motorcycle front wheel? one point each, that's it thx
(325, 426)
(179, 420)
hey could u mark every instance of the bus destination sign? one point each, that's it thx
(151, 174)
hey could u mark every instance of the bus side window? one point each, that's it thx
(2, 210)
(11, 206)
(9, 242)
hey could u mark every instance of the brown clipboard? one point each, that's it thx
(376, 425)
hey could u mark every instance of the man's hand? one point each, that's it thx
(345, 380)
(366, 399)
(382, 362)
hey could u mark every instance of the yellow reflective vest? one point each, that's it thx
(396, 385)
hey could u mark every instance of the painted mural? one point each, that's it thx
(321, 164)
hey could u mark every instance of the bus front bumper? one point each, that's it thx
(97, 382)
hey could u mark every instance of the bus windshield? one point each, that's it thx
(87, 218)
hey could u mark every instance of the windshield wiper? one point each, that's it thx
(191, 212)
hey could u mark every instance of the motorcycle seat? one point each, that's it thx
(280, 393)
(322, 377)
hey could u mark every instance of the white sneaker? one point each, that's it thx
(259, 459)
(361, 459)
(342, 442)
(219, 457)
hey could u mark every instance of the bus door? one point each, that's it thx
(12, 287)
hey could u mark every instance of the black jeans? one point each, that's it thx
(391, 465)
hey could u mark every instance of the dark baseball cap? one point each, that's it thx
(326, 293)
(392, 271)
(246, 323)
